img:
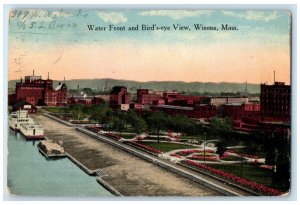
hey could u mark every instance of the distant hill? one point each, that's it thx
(180, 86)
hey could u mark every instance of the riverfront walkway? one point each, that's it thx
(130, 175)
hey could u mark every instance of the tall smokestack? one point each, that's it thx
(32, 72)
(48, 75)
(274, 77)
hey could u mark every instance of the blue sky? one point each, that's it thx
(262, 32)
(260, 25)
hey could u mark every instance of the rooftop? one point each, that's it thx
(117, 89)
(174, 107)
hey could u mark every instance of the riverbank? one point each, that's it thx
(129, 175)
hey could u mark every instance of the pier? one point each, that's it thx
(128, 174)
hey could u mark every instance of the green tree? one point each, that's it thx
(221, 148)
(129, 118)
(180, 123)
(221, 124)
(281, 175)
(157, 121)
(139, 125)
(118, 124)
(77, 111)
(100, 113)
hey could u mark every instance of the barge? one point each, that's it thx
(51, 149)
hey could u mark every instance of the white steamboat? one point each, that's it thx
(32, 131)
(16, 119)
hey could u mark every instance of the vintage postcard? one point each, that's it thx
(149, 102)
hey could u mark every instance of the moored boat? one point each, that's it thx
(16, 119)
(51, 149)
(32, 131)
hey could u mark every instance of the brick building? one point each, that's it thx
(177, 99)
(39, 92)
(237, 111)
(83, 99)
(119, 96)
(244, 116)
(57, 96)
(145, 97)
(200, 111)
(275, 102)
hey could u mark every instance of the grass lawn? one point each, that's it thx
(54, 109)
(251, 172)
(198, 137)
(243, 151)
(166, 146)
(128, 129)
(127, 136)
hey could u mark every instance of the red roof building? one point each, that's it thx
(237, 111)
(40, 92)
(144, 97)
(177, 99)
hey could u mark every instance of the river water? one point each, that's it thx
(29, 173)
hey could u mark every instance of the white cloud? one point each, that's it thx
(253, 15)
(175, 14)
(113, 17)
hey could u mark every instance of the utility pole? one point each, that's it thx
(204, 147)
(242, 165)
(246, 89)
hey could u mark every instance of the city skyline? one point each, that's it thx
(59, 42)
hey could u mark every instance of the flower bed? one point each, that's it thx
(259, 187)
(150, 149)
(187, 152)
(211, 158)
(93, 129)
(227, 156)
(266, 166)
(191, 151)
